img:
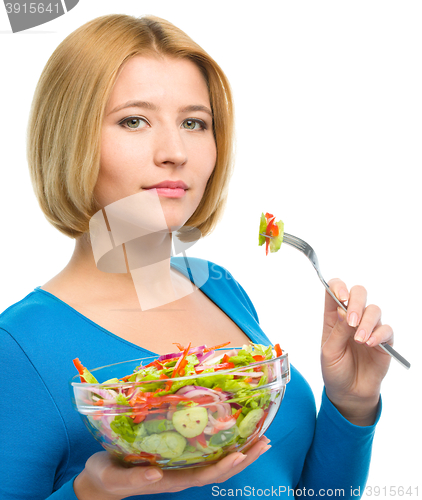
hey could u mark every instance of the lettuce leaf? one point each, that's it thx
(262, 229)
(124, 427)
(275, 243)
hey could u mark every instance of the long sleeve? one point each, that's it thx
(34, 445)
(340, 453)
(66, 492)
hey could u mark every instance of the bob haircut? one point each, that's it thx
(66, 116)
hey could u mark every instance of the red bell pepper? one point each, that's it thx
(221, 366)
(259, 357)
(272, 230)
(85, 375)
(137, 419)
(278, 350)
(152, 459)
(80, 368)
(236, 415)
(200, 439)
(157, 364)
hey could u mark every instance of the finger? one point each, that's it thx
(356, 305)
(383, 333)
(232, 464)
(371, 319)
(114, 477)
(340, 290)
(340, 334)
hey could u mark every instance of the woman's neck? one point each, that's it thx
(148, 279)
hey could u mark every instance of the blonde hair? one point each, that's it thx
(63, 143)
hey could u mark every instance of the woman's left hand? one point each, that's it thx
(353, 365)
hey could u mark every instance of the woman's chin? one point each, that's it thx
(173, 227)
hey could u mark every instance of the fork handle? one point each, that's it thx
(387, 347)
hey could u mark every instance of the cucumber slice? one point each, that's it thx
(225, 437)
(157, 426)
(248, 425)
(168, 444)
(188, 457)
(190, 422)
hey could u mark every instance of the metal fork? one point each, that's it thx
(301, 245)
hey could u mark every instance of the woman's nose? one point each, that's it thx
(170, 148)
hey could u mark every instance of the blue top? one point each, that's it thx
(44, 443)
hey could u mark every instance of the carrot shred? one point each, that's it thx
(207, 349)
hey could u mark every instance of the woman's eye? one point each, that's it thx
(133, 123)
(191, 124)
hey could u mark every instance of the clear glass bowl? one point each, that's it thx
(194, 427)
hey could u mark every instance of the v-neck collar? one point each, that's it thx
(187, 273)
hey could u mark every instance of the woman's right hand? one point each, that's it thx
(104, 479)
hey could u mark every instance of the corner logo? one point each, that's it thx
(25, 14)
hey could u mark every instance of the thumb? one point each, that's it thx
(340, 334)
(141, 477)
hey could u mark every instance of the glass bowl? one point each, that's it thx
(196, 426)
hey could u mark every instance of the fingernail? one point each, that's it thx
(370, 341)
(353, 319)
(264, 438)
(265, 448)
(239, 460)
(360, 336)
(152, 474)
(343, 295)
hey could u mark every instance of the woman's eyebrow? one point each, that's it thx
(153, 107)
(134, 104)
(195, 107)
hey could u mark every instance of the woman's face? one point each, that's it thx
(157, 128)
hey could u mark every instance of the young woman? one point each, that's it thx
(123, 106)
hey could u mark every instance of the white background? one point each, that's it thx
(329, 121)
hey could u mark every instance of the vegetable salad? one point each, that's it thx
(274, 232)
(184, 408)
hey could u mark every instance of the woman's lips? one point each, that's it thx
(170, 188)
(170, 192)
